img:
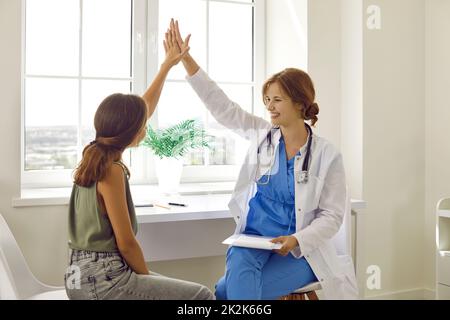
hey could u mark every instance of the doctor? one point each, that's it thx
(291, 187)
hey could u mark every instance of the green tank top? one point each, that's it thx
(89, 228)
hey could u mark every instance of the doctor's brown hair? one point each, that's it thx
(118, 120)
(298, 85)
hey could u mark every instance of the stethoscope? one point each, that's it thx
(303, 175)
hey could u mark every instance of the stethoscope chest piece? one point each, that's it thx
(303, 177)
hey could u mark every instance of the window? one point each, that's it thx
(100, 47)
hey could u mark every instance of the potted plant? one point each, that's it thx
(170, 145)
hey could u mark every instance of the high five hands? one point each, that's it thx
(176, 31)
(175, 50)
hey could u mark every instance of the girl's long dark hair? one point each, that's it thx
(118, 120)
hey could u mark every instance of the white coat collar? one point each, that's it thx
(276, 136)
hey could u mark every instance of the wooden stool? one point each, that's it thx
(308, 291)
(301, 296)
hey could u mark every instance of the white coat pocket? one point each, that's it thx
(309, 194)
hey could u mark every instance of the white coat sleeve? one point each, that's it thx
(330, 213)
(226, 112)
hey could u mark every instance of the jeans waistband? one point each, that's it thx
(76, 255)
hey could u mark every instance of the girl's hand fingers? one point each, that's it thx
(167, 41)
(165, 46)
(172, 24)
(174, 38)
(178, 35)
(169, 34)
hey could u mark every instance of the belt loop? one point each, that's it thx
(94, 256)
(70, 256)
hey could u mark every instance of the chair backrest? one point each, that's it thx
(343, 239)
(7, 291)
(16, 279)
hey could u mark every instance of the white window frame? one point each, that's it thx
(145, 41)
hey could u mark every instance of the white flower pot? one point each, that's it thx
(168, 172)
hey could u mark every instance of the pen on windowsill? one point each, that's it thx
(161, 206)
(144, 205)
(177, 204)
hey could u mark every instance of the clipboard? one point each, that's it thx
(252, 241)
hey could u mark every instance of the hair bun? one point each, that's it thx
(311, 113)
(312, 110)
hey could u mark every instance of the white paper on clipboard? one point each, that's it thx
(252, 241)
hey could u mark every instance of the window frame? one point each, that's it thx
(145, 41)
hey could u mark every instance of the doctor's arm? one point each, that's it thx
(330, 213)
(224, 110)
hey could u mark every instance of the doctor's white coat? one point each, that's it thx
(319, 204)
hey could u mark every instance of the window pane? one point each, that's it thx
(191, 15)
(225, 149)
(93, 93)
(231, 44)
(179, 102)
(52, 37)
(222, 151)
(194, 158)
(51, 119)
(107, 38)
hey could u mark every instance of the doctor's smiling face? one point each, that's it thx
(289, 98)
(282, 109)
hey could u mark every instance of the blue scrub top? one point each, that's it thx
(272, 209)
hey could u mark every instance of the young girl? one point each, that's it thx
(106, 261)
(299, 198)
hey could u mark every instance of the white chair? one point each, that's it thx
(343, 244)
(16, 279)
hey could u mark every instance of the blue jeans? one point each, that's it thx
(107, 276)
(253, 274)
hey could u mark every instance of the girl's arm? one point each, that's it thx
(112, 190)
(174, 54)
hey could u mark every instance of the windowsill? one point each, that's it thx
(141, 193)
(203, 201)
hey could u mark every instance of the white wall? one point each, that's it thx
(437, 115)
(286, 35)
(324, 65)
(351, 122)
(352, 93)
(394, 143)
